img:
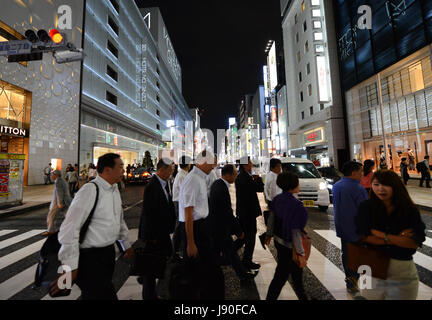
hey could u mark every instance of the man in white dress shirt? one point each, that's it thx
(271, 190)
(193, 216)
(185, 164)
(92, 263)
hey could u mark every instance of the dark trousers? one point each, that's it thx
(148, 287)
(177, 238)
(425, 176)
(72, 188)
(149, 280)
(348, 272)
(249, 240)
(229, 250)
(285, 267)
(208, 279)
(95, 272)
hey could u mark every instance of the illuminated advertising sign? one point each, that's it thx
(273, 67)
(266, 84)
(323, 87)
(313, 136)
(273, 114)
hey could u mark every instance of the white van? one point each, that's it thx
(313, 188)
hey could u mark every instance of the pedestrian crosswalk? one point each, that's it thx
(20, 266)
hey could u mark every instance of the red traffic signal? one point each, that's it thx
(56, 36)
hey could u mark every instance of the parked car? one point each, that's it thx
(141, 174)
(331, 175)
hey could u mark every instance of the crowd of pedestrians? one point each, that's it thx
(187, 218)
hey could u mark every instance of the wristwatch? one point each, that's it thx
(386, 238)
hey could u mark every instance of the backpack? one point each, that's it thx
(420, 166)
(47, 268)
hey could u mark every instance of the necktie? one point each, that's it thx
(167, 191)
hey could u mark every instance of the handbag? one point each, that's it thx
(46, 271)
(360, 254)
(307, 244)
(148, 260)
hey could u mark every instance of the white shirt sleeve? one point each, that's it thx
(70, 229)
(267, 187)
(274, 189)
(189, 193)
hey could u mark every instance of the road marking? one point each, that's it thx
(20, 254)
(17, 283)
(428, 242)
(130, 290)
(5, 232)
(424, 293)
(266, 273)
(74, 295)
(19, 238)
(328, 274)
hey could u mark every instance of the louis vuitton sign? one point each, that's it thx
(12, 131)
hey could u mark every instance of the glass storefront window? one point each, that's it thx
(406, 109)
(14, 103)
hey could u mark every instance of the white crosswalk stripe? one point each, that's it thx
(425, 292)
(20, 254)
(17, 283)
(6, 232)
(428, 242)
(19, 238)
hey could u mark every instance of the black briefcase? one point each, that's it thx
(148, 260)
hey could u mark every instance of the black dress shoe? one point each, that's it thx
(252, 266)
(248, 276)
(262, 240)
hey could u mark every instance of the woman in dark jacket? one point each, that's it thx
(391, 221)
(286, 225)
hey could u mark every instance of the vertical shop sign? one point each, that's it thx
(4, 178)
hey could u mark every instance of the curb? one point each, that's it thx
(24, 210)
(425, 208)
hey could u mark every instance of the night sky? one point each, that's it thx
(220, 46)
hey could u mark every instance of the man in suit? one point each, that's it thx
(60, 201)
(247, 209)
(223, 222)
(157, 221)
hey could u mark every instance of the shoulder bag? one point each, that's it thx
(307, 244)
(361, 254)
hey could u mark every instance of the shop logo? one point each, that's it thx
(64, 17)
(13, 131)
(365, 21)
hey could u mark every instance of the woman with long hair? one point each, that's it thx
(391, 221)
(368, 167)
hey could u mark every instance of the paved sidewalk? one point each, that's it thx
(421, 196)
(34, 197)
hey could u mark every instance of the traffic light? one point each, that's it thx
(36, 44)
(31, 36)
(56, 36)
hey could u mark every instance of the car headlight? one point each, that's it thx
(329, 180)
(323, 185)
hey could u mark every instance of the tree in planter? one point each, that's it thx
(147, 162)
